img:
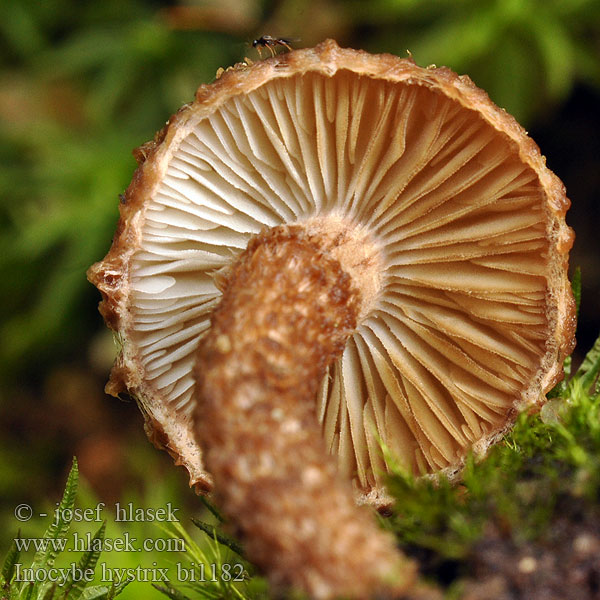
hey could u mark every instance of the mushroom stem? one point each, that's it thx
(288, 307)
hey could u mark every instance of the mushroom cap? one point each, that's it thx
(474, 313)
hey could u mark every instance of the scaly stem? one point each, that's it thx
(287, 310)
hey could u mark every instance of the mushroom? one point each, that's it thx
(327, 174)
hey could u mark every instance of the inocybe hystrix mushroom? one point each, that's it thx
(409, 287)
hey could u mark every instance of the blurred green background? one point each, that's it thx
(84, 82)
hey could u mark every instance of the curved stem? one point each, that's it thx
(286, 313)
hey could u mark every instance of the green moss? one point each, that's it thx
(43, 579)
(549, 461)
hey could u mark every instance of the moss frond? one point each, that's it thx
(547, 465)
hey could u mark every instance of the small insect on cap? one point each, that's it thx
(468, 313)
(267, 41)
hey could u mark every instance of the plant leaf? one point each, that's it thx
(590, 367)
(96, 592)
(59, 527)
(47, 591)
(74, 589)
(212, 532)
(115, 590)
(12, 557)
(170, 592)
(103, 592)
(212, 509)
(556, 50)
